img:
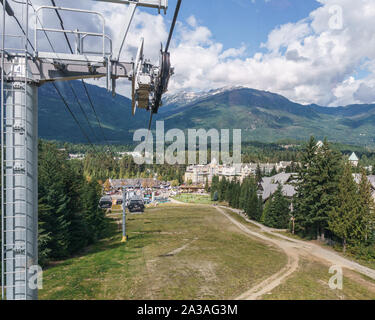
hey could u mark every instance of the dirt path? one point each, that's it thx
(178, 202)
(178, 250)
(294, 249)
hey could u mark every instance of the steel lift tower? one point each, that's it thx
(23, 70)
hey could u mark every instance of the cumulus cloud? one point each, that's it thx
(315, 60)
(310, 61)
(365, 93)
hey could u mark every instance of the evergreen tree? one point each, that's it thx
(206, 186)
(252, 201)
(244, 194)
(214, 186)
(277, 214)
(365, 233)
(343, 218)
(94, 217)
(316, 188)
(258, 174)
(222, 189)
(53, 200)
(274, 171)
(265, 211)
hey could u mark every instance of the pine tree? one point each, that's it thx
(265, 211)
(327, 176)
(222, 189)
(206, 186)
(258, 174)
(252, 201)
(316, 188)
(214, 186)
(274, 171)
(365, 232)
(303, 201)
(53, 200)
(277, 214)
(343, 217)
(244, 192)
(94, 217)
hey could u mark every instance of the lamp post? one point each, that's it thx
(292, 217)
(124, 199)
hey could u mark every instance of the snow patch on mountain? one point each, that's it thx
(184, 98)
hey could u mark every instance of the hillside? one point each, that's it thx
(263, 116)
(114, 113)
(186, 252)
(268, 117)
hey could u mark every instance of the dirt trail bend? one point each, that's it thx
(294, 249)
(275, 280)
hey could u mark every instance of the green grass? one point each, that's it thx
(194, 198)
(310, 282)
(207, 268)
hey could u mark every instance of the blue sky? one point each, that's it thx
(310, 51)
(237, 22)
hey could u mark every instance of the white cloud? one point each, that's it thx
(307, 61)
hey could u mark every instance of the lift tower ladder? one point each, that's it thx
(19, 187)
(23, 70)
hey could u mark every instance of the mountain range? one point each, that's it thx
(262, 116)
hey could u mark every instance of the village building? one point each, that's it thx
(144, 183)
(353, 159)
(200, 174)
(371, 179)
(269, 185)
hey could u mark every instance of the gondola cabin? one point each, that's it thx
(105, 202)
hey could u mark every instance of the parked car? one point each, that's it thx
(136, 205)
(105, 202)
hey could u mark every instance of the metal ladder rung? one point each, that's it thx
(18, 201)
(15, 174)
(15, 286)
(10, 245)
(17, 188)
(15, 245)
(18, 147)
(16, 161)
(15, 118)
(15, 272)
(6, 247)
(18, 256)
(13, 217)
(23, 229)
(16, 104)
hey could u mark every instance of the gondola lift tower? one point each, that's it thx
(23, 70)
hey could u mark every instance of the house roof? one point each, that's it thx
(278, 178)
(270, 184)
(270, 189)
(353, 157)
(371, 179)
